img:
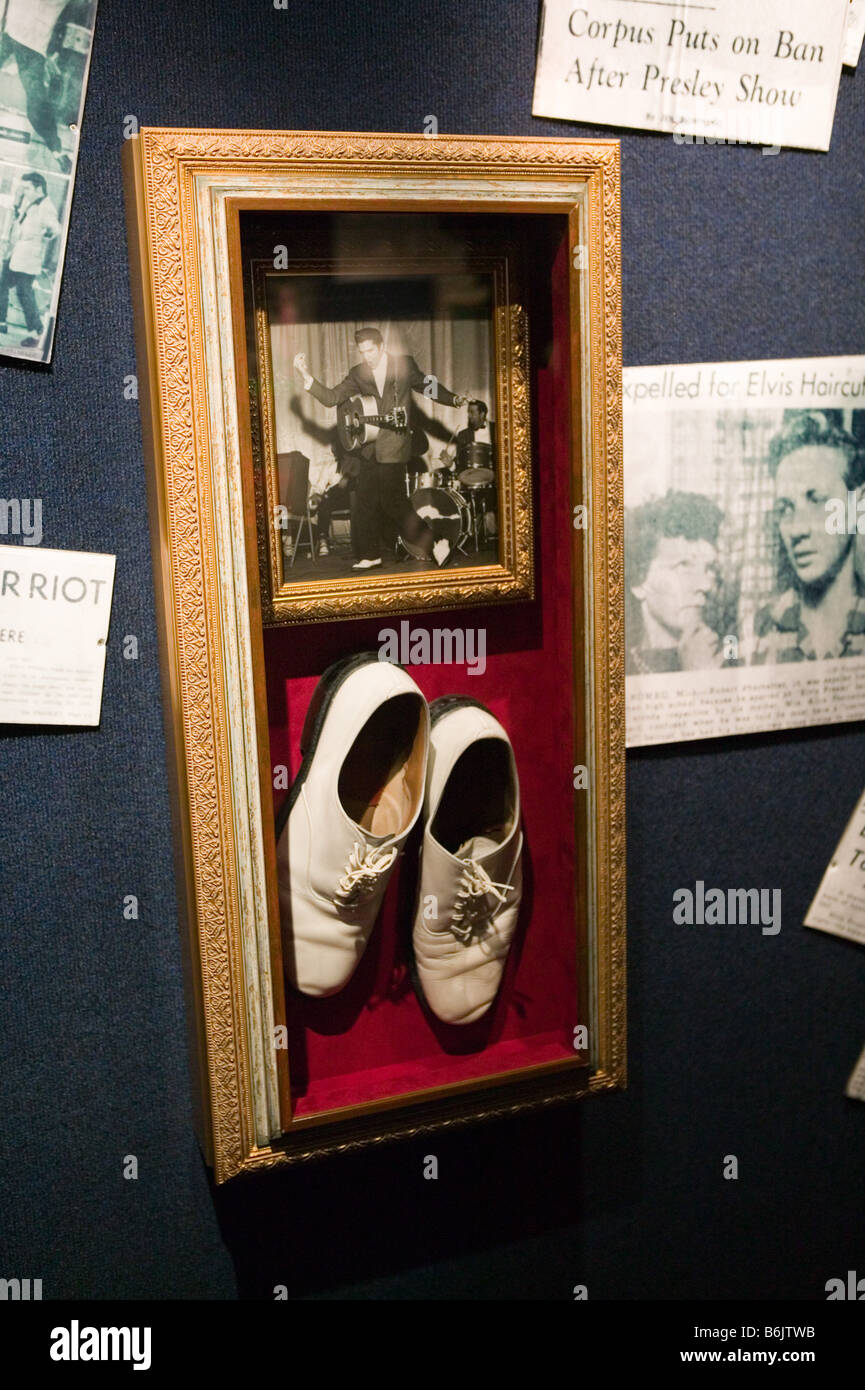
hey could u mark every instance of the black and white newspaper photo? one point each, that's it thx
(744, 571)
(44, 60)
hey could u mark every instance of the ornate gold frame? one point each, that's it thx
(511, 577)
(184, 189)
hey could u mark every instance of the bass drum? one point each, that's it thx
(445, 512)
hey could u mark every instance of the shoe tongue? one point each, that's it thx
(477, 847)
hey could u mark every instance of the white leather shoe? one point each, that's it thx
(357, 795)
(470, 882)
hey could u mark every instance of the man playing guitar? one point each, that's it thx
(382, 509)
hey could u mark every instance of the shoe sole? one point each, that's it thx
(323, 696)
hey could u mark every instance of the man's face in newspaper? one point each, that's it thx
(678, 581)
(804, 483)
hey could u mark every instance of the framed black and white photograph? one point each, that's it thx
(391, 415)
(44, 61)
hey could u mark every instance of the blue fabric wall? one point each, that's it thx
(739, 1043)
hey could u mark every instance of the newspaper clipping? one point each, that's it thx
(839, 904)
(855, 1088)
(730, 73)
(44, 60)
(855, 32)
(744, 567)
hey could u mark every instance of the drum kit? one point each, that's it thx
(458, 499)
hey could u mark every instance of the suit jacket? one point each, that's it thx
(403, 377)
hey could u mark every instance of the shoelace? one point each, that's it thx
(364, 868)
(471, 908)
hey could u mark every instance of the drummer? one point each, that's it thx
(479, 430)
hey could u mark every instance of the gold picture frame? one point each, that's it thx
(186, 191)
(506, 576)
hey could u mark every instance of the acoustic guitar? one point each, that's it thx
(358, 422)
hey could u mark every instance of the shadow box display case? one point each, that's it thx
(381, 398)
